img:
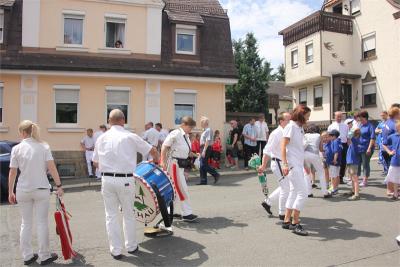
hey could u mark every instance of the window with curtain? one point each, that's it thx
(1, 25)
(120, 100)
(294, 58)
(73, 29)
(1, 103)
(185, 41)
(369, 94)
(66, 101)
(355, 7)
(303, 96)
(369, 46)
(185, 105)
(317, 96)
(115, 31)
(309, 53)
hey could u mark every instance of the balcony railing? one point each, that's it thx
(318, 21)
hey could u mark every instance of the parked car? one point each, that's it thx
(5, 154)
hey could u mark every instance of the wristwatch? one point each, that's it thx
(58, 185)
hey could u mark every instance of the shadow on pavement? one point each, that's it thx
(79, 260)
(226, 180)
(332, 229)
(169, 251)
(208, 225)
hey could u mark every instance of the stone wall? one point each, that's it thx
(71, 163)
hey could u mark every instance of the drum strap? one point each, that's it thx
(190, 149)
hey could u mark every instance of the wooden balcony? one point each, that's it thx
(318, 21)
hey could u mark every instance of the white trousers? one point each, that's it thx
(119, 192)
(316, 161)
(298, 189)
(282, 191)
(35, 202)
(89, 156)
(186, 208)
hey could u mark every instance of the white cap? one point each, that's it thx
(347, 121)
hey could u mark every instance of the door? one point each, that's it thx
(346, 97)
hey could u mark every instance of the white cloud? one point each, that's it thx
(265, 18)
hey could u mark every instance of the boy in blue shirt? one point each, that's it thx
(352, 161)
(392, 147)
(334, 159)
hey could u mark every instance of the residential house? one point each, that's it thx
(280, 99)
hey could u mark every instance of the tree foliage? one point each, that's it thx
(280, 74)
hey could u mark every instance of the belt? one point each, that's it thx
(113, 174)
(276, 159)
(179, 158)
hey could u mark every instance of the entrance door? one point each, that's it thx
(346, 97)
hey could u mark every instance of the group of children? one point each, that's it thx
(215, 160)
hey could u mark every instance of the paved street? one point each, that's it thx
(233, 229)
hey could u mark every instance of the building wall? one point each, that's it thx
(210, 101)
(284, 105)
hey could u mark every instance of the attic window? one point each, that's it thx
(185, 39)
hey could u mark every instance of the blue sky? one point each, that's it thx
(265, 18)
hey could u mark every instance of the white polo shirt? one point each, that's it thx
(152, 136)
(176, 141)
(116, 150)
(273, 147)
(88, 142)
(295, 147)
(262, 129)
(342, 128)
(96, 135)
(163, 134)
(30, 157)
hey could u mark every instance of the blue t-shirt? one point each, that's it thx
(367, 133)
(353, 154)
(336, 147)
(328, 152)
(380, 126)
(388, 129)
(393, 142)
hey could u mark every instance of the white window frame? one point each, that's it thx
(66, 87)
(113, 17)
(119, 89)
(2, 22)
(187, 30)
(357, 12)
(186, 91)
(73, 14)
(369, 35)
(2, 103)
(362, 93)
(306, 90)
(291, 58)
(306, 52)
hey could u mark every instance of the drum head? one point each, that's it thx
(145, 204)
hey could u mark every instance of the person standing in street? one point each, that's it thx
(250, 141)
(33, 158)
(367, 147)
(343, 129)
(115, 155)
(206, 142)
(163, 134)
(87, 145)
(234, 138)
(262, 134)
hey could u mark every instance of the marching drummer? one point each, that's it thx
(176, 149)
(115, 156)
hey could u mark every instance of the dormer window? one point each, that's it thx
(185, 39)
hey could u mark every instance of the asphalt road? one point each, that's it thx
(233, 230)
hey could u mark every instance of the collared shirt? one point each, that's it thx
(342, 128)
(295, 148)
(176, 141)
(88, 142)
(262, 129)
(250, 130)
(163, 134)
(96, 135)
(207, 135)
(311, 142)
(388, 129)
(273, 147)
(367, 133)
(30, 157)
(353, 152)
(116, 150)
(393, 142)
(151, 136)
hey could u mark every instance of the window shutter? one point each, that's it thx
(185, 98)
(67, 96)
(318, 91)
(369, 89)
(118, 97)
(294, 56)
(309, 50)
(369, 43)
(1, 21)
(1, 97)
(355, 6)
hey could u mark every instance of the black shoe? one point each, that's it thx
(314, 186)
(282, 217)
(286, 225)
(201, 184)
(298, 230)
(177, 216)
(31, 260)
(310, 195)
(329, 195)
(266, 207)
(134, 251)
(292, 226)
(189, 218)
(53, 258)
(117, 257)
(216, 178)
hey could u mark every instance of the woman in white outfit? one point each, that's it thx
(292, 149)
(33, 158)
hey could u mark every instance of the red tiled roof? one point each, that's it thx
(202, 7)
(7, 2)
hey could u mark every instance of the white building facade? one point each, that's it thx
(345, 58)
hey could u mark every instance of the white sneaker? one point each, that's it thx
(346, 179)
(350, 183)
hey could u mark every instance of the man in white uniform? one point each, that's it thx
(87, 145)
(115, 155)
(273, 151)
(163, 134)
(96, 135)
(151, 136)
(262, 134)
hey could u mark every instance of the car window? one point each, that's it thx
(4, 149)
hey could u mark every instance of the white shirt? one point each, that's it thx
(30, 157)
(342, 128)
(262, 129)
(152, 136)
(116, 150)
(96, 135)
(273, 147)
(176, 141)
(311, 142)
(207, 135)
(88, 142)
(295, 148)
(163, 134)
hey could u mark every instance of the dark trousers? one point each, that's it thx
(386, 161)
(260, 147)
(248, 152)
(205, 168)
(343, 163)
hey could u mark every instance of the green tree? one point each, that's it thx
(280, 74)
(249, 94)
